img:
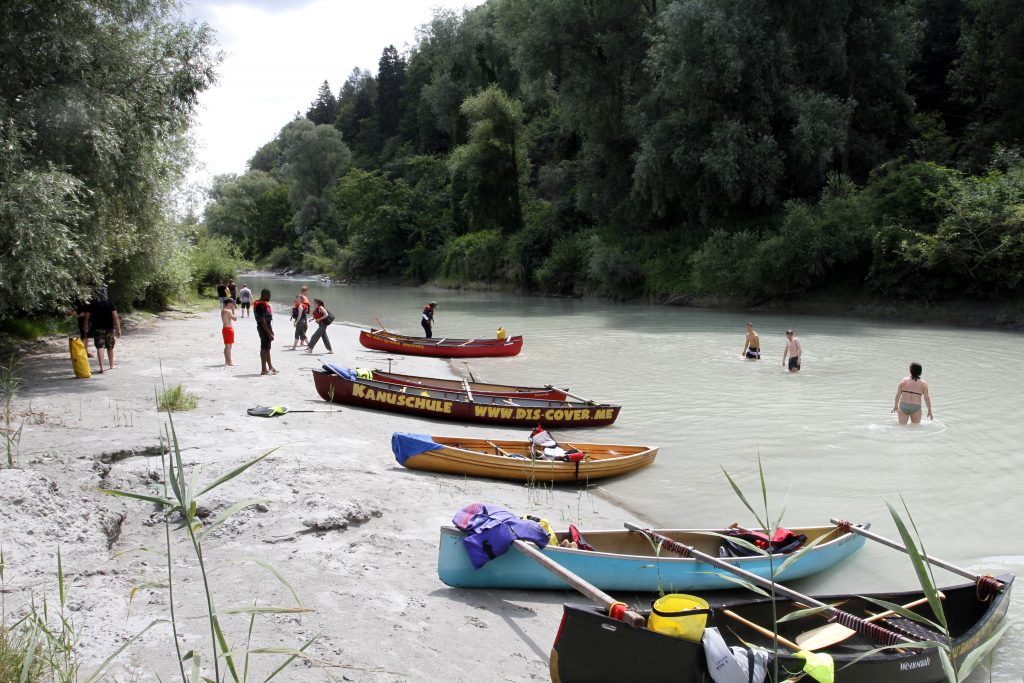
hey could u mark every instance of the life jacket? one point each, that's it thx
(539, 437)
(783, 541)
(577, 538)
(546, 525)
(364, 373)
(490, 531)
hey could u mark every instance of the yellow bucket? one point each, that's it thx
(680, 616)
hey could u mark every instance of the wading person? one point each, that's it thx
(102, 317)
(322, 317)
(752, 345)
(909, 393)
(794, 350)
(264, 325)
(245, 299)
(227, 318)
(427, 319)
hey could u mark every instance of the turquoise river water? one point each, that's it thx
(826, 438)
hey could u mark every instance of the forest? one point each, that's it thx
(744, 151)
(749, 151)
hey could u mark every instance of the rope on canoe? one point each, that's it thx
(987, 587)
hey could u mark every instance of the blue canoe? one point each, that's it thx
(625, 561)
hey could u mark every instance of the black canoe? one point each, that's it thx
(592, 648)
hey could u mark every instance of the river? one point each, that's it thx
(825, 436)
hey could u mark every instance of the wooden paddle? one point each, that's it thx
(763, 631)
(873, 631)
(830, 634)
(931, 560)
(578, 398)
(498, 450)
(587, 589)
(381, 325)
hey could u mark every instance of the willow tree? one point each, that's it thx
(488, 171)
(96, 98)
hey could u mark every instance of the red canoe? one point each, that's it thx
(550, 393)
(459, 405)
(440, 348)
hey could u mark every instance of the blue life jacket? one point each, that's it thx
(490, 530)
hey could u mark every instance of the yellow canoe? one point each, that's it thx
(512, 460)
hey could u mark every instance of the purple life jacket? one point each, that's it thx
(490, 530)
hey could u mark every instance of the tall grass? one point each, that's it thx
(42, 644)
(178, 500)
(176, 399)
(10, 384)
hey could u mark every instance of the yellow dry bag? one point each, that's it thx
(679, 615)
(502, 334)
(79, 358)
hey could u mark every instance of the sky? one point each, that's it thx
(278, 53)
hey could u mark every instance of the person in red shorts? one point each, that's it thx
(227, 318)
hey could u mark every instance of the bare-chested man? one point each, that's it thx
(227, 318)
(752, 345)
(794, 350)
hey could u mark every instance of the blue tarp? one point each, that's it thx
(347, 373)
(405, 445)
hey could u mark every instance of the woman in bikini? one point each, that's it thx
(909, 393)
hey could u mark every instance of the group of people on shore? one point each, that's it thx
(909, 393)
(264, 315)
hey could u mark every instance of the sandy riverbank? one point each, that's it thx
(353, 533)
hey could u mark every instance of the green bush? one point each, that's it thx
(215, 259)
(564, 271)
(613, 271)
(176, 399)
(474, 257)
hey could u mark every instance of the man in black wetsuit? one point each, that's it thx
(427, 319)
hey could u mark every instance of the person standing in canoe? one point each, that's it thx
(752, 345)
(427, 319)
(909, 393)
(794, 350)
(227, 318)
(264, 325)
(322, 317)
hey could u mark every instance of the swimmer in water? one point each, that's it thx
(909, 393)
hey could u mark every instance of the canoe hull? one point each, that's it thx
(622, 572)
(441, 348)
(592, 648)
(451, 460)
(457, 406)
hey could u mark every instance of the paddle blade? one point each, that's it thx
(267, 411)
(823, 636)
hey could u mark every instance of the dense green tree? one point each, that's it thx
(324, 109)
(243, 209)
(95, 103)
(490, 168)
(315, 157)
(757, 101)
(357, 117)
(390, 82)
(989, 76)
